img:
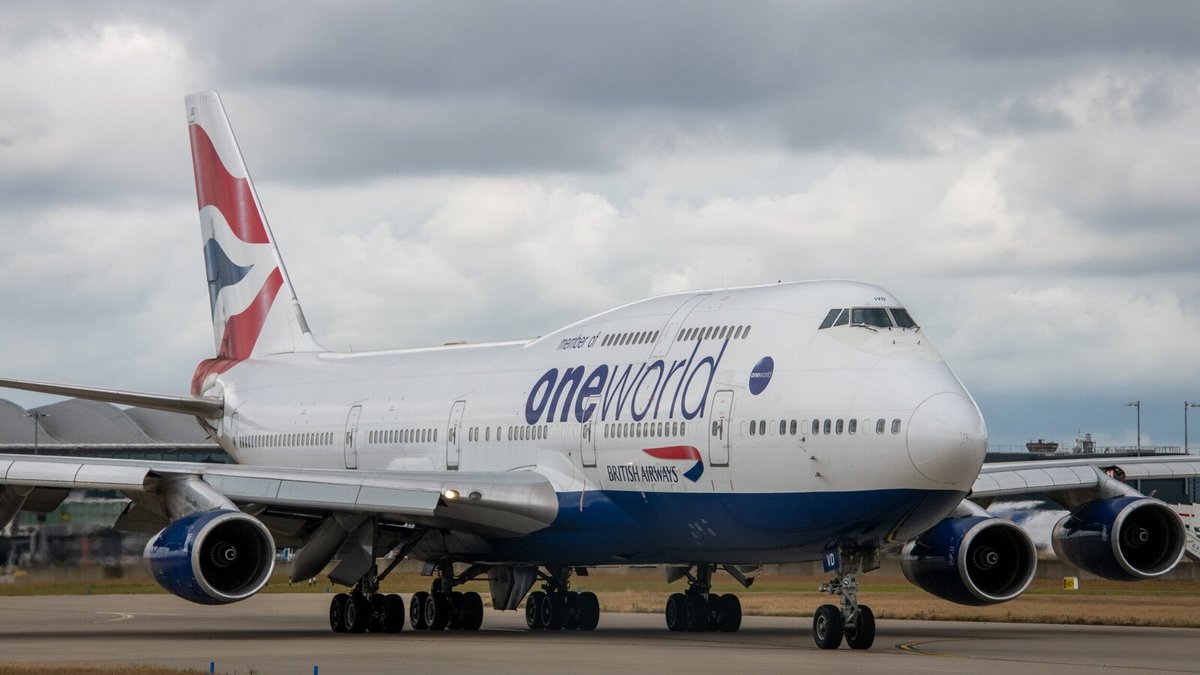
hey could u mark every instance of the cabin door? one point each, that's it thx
(587, 440)
(720, 437)
(454, 435)
(350, 446)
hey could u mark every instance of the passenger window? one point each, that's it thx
(746, 334)
(853, 426)
(895, 426)
(753, 428)
(816, 427)
(828, 426)
(838, 427)
(682, 428)
(782, 427)
(793, 427)
(762, 427)
(879, 426)
(722, 334)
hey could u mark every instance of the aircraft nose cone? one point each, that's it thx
(947, 439)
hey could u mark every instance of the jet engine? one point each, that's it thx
(212, 557)
(973, 560)
(1123, 539)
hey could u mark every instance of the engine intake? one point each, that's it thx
(1122, 539)
(212, 557)
(977, 560)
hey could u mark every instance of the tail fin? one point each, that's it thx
(254, 309)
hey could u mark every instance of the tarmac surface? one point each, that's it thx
(289, 633)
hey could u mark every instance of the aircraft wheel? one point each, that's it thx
(337, 612)
(571, 622)
(827, 627)
(416, 610)
(589, 611)
(675, 612)
(437, 611)
(358, 614)
(391, 616)
(472, 614)
(376, 616)
(533, 610)
(714, 612)
(554, 611)
(695, 614)
(730, 614)
(862, 634)
(456, 611)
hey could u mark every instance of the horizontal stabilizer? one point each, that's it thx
(199, 406)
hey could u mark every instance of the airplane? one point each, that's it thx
(710, 431)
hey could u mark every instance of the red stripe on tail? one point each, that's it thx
(242, 330)
(215, 186)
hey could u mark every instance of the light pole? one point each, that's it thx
(37, 418)
(1187, 405)
(1137, 404)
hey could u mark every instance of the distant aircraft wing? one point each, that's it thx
(496, 503)
(1002, 479)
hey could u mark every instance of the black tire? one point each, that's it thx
(695, 614)
(358, 614)
(589, 611)
(828, 626)
(862, 634)
(730, 613)
(337, 612)
(416, 610)
(675, 612)
(472, 617)
(437, 611)
(554, 611)
(377, 615)
(533, 610)
(456, 611)
(391, 619)
(571, 602)
(714, 612)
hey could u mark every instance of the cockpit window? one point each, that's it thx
(903, 320)
(833, 314)
(843, 318)
(870, 316)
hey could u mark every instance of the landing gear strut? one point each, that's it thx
(698, 609)
(854, 622)
(445, 608)
(556, 607)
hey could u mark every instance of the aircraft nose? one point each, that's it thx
(947, 439)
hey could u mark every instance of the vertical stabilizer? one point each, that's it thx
(254, 309)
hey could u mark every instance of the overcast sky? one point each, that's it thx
(1025, 176)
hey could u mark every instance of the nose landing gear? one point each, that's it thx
(848, 619)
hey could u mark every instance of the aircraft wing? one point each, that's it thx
(497, 503)
(1001, 479)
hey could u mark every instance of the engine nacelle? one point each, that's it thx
(1123, 539)
(976, 560)
(212, 557)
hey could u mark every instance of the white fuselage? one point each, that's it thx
(726, 393)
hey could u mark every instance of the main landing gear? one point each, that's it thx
(698, 609)
(366, 609)
(443, 607)
(556, 607)
(854, 622)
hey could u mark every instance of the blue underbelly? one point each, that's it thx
(615, 527)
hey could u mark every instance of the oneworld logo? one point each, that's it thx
(760, 376)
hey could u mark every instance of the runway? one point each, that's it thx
(289, 634)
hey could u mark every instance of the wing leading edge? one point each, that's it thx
(1002, 479)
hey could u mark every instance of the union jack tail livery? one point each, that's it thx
(254, 309)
